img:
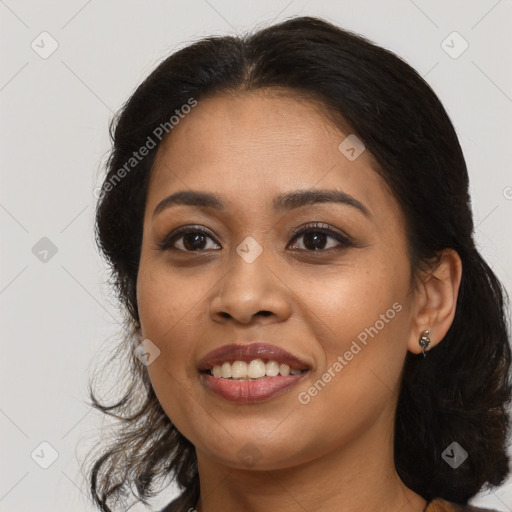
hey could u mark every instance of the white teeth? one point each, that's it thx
(239, 370)
(272, 368)
(226, 371)
(284, 370)
(256, 369)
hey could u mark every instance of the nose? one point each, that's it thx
(251, 292)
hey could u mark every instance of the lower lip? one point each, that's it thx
(247, 391)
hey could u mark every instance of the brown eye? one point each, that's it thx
(191, 240)
(315, 238)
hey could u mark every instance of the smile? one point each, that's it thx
(255, 369)
(251, 372)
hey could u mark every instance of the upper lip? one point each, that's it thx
(249, 351)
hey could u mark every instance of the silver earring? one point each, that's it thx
(424, 341)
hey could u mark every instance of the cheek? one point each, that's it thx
(167, 318)
(362, 320)
(363, 354)
(167, 301)
(350, 299)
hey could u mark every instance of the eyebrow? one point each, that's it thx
(284, 202)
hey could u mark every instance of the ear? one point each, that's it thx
(436, 300)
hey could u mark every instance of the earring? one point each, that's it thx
(424, 341)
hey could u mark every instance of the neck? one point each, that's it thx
(356, 477)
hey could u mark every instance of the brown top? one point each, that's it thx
(440, 505)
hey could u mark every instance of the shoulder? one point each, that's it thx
(440, 505)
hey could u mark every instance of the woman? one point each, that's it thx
(309, 323)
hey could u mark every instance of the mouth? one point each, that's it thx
(256, 369)
(252, 372)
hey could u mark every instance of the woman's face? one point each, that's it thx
(339, 302)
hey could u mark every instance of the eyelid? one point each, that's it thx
(322, 228)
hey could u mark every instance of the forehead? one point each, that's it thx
(249, 147)
(263, 123)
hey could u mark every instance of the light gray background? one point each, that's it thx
(58, 316)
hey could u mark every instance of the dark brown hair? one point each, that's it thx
(460, 392)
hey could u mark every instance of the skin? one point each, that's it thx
(325, 455)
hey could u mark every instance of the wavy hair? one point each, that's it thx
(460, 392)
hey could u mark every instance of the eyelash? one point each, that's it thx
(345, 242)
